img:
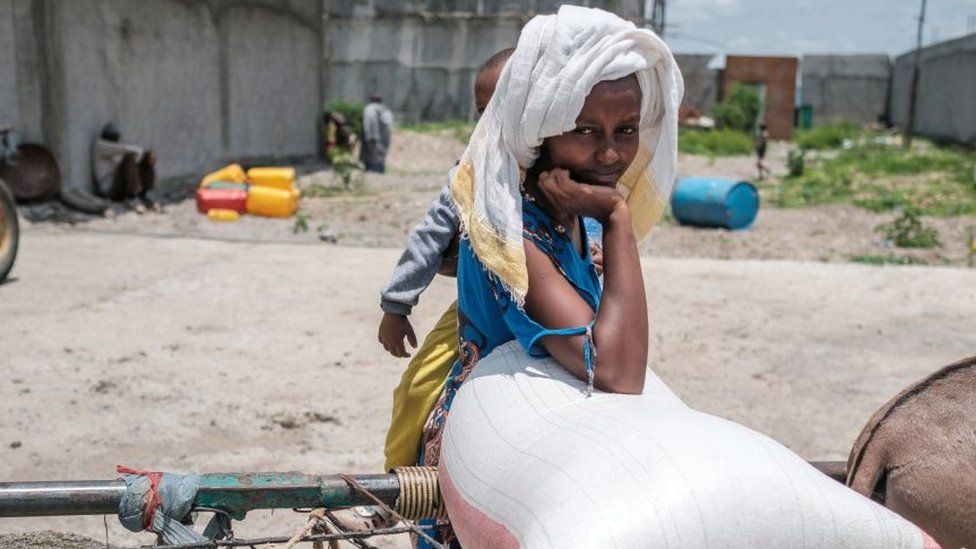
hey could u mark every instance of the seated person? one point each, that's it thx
(123, 172)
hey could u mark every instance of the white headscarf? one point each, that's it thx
(540, 93)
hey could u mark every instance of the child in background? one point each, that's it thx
(760, 146)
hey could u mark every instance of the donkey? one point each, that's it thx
(917, 455)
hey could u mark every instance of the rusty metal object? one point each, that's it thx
(420, 495)
(31, 172)
(237, 493)
(386, 507)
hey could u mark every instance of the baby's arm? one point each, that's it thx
(418, 265)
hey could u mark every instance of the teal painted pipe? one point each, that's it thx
(232, 493)
(238, 493)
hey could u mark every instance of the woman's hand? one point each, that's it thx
(569, 198)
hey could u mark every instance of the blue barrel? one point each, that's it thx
(715, 202)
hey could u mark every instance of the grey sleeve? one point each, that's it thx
(421, 259)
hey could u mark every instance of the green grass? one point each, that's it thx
(691, 141)
(935, 181)
(724, 142)
(827, 136)
(301, 222)
(888, 259)
(316, 190)
(459, 130)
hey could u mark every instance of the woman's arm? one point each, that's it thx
(620, 331)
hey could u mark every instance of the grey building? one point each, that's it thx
(945, 108)
(849, 88)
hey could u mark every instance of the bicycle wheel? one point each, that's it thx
(9, 231)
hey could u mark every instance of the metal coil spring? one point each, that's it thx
(420, 496)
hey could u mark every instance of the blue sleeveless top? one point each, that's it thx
(489, 317)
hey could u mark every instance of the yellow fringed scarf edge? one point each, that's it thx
(505, 260)
(641, 194)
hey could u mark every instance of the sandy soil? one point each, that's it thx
(192, 354)
(166, 341)
(50, 539)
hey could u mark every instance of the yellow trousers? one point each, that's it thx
(419, 389)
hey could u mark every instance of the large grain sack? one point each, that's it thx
(528, 461)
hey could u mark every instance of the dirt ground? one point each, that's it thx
(188, 354)
(382, 211)
(169, 342)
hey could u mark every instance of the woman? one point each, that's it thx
(584, 123)
(533, 167)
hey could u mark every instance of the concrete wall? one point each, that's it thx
(946, 100)
(200, 82)
(851, 88)
(701, 83)
(273, 85)
(21, 86)
(9, 103)
(422, 55)
(206, 81)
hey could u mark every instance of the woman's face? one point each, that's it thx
(604, 142)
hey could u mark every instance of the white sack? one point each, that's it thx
(528, 461)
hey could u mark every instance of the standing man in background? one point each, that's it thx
(377, 127)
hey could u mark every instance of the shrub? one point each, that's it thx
(908, 231)
(795, 161)
(346, 168)
(352, 111)
(739, 109)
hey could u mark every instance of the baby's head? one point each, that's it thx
(487, 78)
(604, 142)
